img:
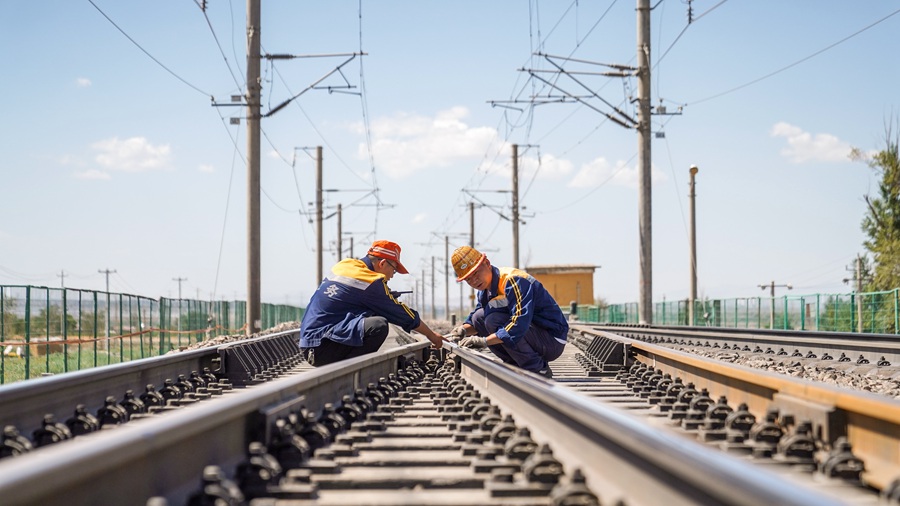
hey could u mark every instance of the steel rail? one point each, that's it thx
(871, 346)
(870, 422)
(24, 404)
(164, 456)
(623, 457)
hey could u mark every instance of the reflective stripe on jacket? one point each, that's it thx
(525, 300)
(351, 293)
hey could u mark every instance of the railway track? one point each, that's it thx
(881, 350)
(422, 427)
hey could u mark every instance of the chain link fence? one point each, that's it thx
(56, 330)
(871, 312)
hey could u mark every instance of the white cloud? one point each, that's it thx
(419, 218)
(547, 167)
(806, 147)
(83, 82)
(92, 174)
(205, 167)
(404, 143)
(135, 154)
(599, 172)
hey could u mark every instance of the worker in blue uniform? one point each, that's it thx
(514, 316)
(349, 313)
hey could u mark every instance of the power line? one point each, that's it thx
(167, 69)
(798, 62)
(234, 156)
(221, 51)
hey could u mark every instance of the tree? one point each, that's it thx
(882, 220)
(51, 320)
(13, 325)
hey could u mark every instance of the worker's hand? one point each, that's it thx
(437, 342)
(456, 334)
(473, 342)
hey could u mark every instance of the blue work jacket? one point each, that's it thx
(524, 299)
(351, 293)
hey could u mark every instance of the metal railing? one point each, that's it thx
(56, 330)
(868, 312)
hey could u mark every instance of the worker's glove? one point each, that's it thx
(456, 334)
(473, 342)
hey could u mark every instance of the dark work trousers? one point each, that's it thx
(375, 331)
(533, 352)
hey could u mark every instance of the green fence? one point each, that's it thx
(872, 312)
(55, 330)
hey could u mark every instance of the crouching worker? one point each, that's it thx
(514, 316)
(348, 316)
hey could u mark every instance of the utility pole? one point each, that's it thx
(691, 314)
(447, 277)
(858, 278)
(340, 244)
(858, 294)
(859, 325)
(179, 280)
(433, 305)
(771, 286)
(515, 204)
(62, 278)
(471, 224)
(318, 215)
(471, 244)
(107, 272)
(423, 291)
(254, 307)
(642, 124)
(645, 305)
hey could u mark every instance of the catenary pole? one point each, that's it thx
(433, 281)
(340, 244)
(472, 243)
(645, 305)
(253, 184)
(691, 315)
(447, 277)
(318, 215)
(107, 272)
(859, 305)
(515, 204)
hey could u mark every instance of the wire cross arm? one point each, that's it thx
(626, 121)
(537, 100)
(626, 117)
(551, 58)
(312, 86)
(583, 73)
(282, 56)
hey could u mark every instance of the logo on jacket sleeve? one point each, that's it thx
(331, 291)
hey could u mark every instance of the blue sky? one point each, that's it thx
(112, 160)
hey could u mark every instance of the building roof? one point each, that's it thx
(561, 268)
